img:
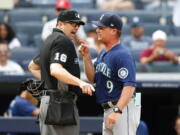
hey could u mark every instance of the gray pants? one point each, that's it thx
(128, 122)
(55, 129)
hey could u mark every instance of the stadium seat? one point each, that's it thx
(43, 3)
(146, 17)
(23, 55)
(162, 67)
(173, 42)
(23, 38)
(24, 15)
(29, 28)
(1, 16)
(37, 40)
(142, 129)
(50, 14)
(76, 4)
(150, 28)
(140, 67)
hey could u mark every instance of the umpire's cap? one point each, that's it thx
(70, 16)
(109, 19)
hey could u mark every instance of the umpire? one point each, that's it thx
(57, 65)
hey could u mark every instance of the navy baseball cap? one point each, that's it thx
(136, 22)
(109, 19)
(70, 16)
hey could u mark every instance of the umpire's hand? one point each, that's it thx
(86, 88)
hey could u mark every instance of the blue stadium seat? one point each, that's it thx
(162, 67)
(50, 14)
(82, 4)
(23, 38)
(146, 17)
(37, 40)
(173, 43)
(24, 15)
(23, 55)
(150, 28)
(30, 28)
(1, 16)
(43, 3)
(142, 129)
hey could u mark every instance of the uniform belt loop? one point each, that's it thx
(110, 104)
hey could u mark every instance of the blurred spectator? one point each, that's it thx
(7, 33)
(22, 3)
(8, 67)
(177, 125)
(137, 42)
(157, 51)
(115, 4)
(176, 17)
(93, 40)
(157, 5)
(22, 105)
(48, 27)
(142, 129)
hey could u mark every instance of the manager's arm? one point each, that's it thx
(126, 96)
(88, 65)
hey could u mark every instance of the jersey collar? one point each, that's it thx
(58, 30)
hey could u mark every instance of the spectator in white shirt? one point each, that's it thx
(8, 67)
(7, 33)
(48, 27)
(176, 17)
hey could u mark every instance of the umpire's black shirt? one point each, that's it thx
(58, 48)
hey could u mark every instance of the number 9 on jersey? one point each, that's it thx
(109, 86)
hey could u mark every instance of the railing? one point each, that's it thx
(29, 125)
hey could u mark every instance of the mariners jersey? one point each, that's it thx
(114, 70)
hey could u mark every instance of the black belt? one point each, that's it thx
(69, 95)
(109, 104)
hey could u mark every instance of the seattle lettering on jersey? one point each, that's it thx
(103, 68)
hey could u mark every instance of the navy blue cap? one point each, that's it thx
(109, 19)
(70, 16)
(136, 22)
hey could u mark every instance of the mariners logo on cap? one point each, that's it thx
(101, 17)
(122, 73)
(77, 15)
(112, 24)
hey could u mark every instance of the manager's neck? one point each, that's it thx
(111, 43)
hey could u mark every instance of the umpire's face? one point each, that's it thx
(69, 28)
